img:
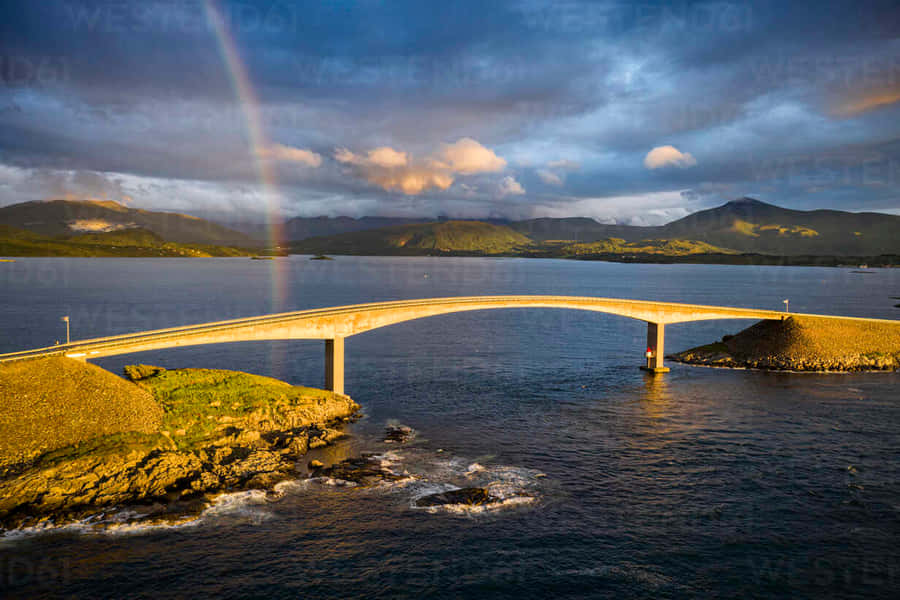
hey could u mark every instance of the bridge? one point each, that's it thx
(335, 324)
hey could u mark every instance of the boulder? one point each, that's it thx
(472, 496)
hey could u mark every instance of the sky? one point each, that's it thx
(627, 112)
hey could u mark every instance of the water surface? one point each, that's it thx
(701, 482)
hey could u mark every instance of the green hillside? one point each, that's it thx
(132, 242)
(745, 225)
(56, 218)
(620, 246)
(749, 225)
(448, 237)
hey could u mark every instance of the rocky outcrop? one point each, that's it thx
(200, 449)
(804, 344)
(399, 434)
(472, 496)
(365, 470)
(68, 488)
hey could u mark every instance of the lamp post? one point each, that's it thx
(66, 319)
(786, 305)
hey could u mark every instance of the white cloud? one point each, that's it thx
(555, 173)
(664, 156)
(21, 185)
(653, 208)
(510, 187)
(549, 177)
(384, 157)
(291, 154)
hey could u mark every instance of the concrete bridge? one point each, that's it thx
(335, 324)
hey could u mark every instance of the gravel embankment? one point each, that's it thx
(50, 403)
(805, 344)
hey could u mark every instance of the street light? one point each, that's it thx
(66, 319)
(786, 305)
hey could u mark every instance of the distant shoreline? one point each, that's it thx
(861, 264)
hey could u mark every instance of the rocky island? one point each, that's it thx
(76, 440)
(804, 343)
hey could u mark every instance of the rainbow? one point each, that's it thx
(258, 141)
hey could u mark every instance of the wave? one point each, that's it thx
(248, 505)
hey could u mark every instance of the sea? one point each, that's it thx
(701, 482)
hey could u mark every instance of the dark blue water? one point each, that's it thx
(703, 482)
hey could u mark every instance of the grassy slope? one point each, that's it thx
(132, 242)
(55, 218)
(60, 408)
(748, 225)
(620, 246)
(198, 401)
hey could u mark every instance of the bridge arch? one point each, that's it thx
(335, 324)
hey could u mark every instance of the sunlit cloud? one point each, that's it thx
(290, 154)
(466, 157)
(668, 156)
(867, 103)
(384, 157)
(397, 171)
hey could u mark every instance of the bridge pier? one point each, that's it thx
(334, 365)
(656, 337)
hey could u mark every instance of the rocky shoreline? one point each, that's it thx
(220, 432)
(229, 445)
(803, 345)
(714, 357)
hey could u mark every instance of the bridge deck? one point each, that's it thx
(342, 321)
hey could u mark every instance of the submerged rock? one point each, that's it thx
(398, 434)
(472, 496)
(365, 470)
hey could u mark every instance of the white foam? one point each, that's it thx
(332, 481)
(250, 505)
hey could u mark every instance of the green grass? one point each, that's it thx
(619, 246)
(201, 406)
(198, 403)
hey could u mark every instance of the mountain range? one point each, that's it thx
(743, 226)
(740, 226)
(747, 225)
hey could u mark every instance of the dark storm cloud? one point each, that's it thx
(795, 102)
